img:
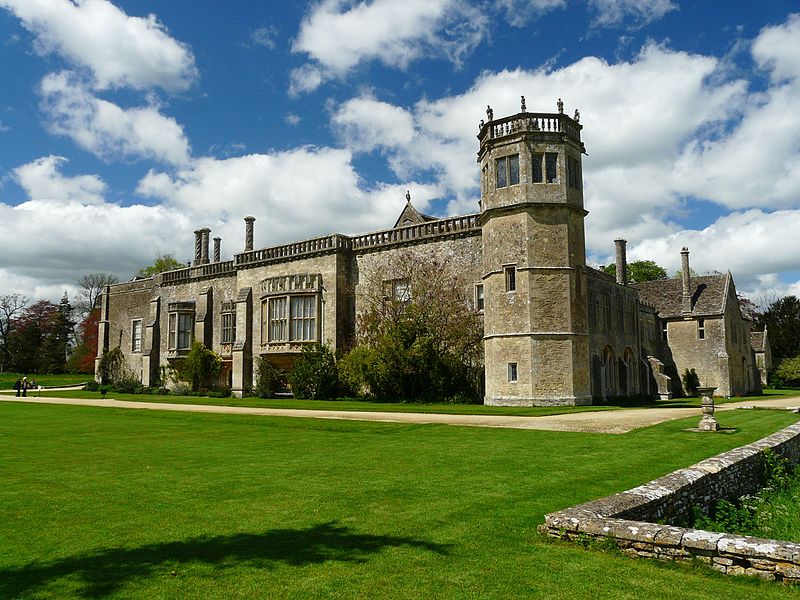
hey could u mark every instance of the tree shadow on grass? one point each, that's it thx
(103, 572)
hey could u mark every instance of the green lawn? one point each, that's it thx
(453, 409)
(7, 379)
(139, 504)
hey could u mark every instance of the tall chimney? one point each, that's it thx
(216, 249)
(198, 246)
(686, 277)
(622, 262)
(204, 248)
(248, 233)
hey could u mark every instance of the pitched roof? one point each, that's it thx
(411, 216)
(709, 293)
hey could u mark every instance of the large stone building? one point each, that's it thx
(556, 331)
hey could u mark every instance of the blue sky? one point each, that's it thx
(126, 125)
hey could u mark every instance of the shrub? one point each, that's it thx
(691, 382)
(355, 371)
(269, 379)
(91, 386)
(788, 371)
(113, 368)
(181, 389)
(314, 374)
(200, 367)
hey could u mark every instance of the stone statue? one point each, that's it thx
(481, 124)
(408, 196)
(560, 106)
(522, 103)
(577, 117)
(489, 113)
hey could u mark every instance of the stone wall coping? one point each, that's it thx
(608, 517)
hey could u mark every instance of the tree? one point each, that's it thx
(40, 337)
(748, 308)
(423, 337)
(788, 372)
(163, 262)
(83, 356)
(92, 286)
(782, 320)
(639, 271)
(314, 375)
(10, 306)
(200, 367)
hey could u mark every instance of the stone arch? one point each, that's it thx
(611, 379)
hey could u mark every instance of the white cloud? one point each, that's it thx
(776, 49)
(521, 12)
(365, 123)
(338, 35)
(636, 13)
(265, 36)
(108, 130)
(119, 50)
(42, 179)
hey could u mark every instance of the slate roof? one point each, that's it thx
(709, 293)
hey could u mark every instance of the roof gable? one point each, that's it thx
(410, 215)
(709, 294)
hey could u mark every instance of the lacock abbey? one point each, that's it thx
(556, 331)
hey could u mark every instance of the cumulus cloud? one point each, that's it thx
(108, 130)
(118, 50)
(42, 179)
(338, 35)
(365, 123)
(635, 13)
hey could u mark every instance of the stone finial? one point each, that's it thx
(217, 242)
(248, 233)
(481, 124)
(560, 106)
(522, 104)
(489, 113)
(408, 196)
(577, 116)
(686, 280)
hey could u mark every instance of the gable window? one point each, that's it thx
(479, 297)
(228, 328)
(701, 329)
(545, 167)
(512, 372)
(511, 278)
(136, 335)
(664, 332)
(180, 330)
(507, 169)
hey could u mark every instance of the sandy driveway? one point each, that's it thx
(607, 421)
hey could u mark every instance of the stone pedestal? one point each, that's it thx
(708, 422)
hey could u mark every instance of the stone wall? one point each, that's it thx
(630, 517)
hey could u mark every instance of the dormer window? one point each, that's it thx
(507, 169)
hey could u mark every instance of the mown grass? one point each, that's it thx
(413, 407)
(147, 504)
(7, 379)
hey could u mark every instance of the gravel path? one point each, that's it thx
(607, 421)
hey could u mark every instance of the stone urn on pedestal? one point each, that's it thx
(708, 422)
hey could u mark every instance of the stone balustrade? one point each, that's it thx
(421, 231)
(539, 122)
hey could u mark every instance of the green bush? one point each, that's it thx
(91, 386)
(269, 378)
(356, 371)
(788, 371)
(691, 382)
(314, 375)
(201, 366)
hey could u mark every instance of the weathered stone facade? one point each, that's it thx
(556, 331)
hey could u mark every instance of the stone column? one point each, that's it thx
(248, 233)
(622, 262)
(204, 246)
(686, 278)
(217, 242)
(102, 332)
(198, 246)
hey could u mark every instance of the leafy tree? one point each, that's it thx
(82, 358)
(10, 306)
(200, 367)
(314, 375)
(163, 262)
(424, 340)
(788, 371)
(782, 320)
(748, 308)
(639, 271)
(40, 337)
(92, 286)
(268, 378)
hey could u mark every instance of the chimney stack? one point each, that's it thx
(622, 262)
(248, 233)
(198, 246)
(686, 303)
(216, 249)
(204, 247)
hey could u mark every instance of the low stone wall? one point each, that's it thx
(630, 517)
